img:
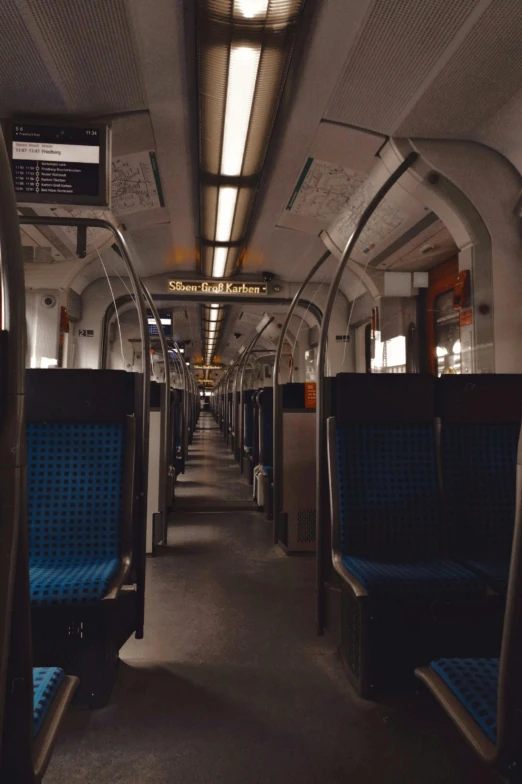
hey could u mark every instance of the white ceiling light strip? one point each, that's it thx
(220, 262)
(241, 85)
(252, 8)
(225, 213)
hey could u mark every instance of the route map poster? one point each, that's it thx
(136, 184)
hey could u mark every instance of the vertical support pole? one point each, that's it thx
(278, 397)
(322, 499)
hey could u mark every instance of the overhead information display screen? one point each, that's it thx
(166, 323)
(59, 164)
(219, 286)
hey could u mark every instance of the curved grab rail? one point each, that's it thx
(121, 242)
(321, 408)
(278, 394)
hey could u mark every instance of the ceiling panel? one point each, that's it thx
(164, 31)
(89, 50)
(25, 82)
(484, 73)
(396, 49)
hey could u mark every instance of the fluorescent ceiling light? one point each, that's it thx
(220, 262)
(214, 313)
(251, 8)
(241, 85)
(225, 213)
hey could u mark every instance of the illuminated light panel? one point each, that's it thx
(220, 262)
(251, 8)
(225, 213)
(241, 85)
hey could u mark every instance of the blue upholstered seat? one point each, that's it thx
(75, 489)
(46, 681)
(479, 471)
(475, 683)
(426, 579)
(74, 581)
(389, 509)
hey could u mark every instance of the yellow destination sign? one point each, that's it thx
(227, 287)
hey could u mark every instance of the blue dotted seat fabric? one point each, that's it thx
(389, 511)
(75, 504)
(475, 684)
(479, 474)
(46, 681)
(425, 579)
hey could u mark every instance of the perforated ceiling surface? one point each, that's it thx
(82, 58)
(24, 81)
(398, 44)
(479, 78)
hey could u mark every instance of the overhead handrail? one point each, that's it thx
(278, 396)
(322, 498)
(137, 290)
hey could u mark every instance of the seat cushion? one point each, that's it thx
(73, 581)
(494, 570)
(475, 684)
(433, 578)
(46, 681)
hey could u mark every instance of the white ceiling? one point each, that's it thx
(363, 69)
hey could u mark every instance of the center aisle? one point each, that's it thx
(230, 684)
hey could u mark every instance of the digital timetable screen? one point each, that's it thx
(59, 164)
(166, 322)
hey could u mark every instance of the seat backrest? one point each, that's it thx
(387, 466)
(77, 462)
(249, 417)
(480, 424)
(75, 480)
(266, 413)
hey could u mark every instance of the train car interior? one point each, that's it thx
(261, 391)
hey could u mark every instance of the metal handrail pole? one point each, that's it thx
(241, 391)
(321, 412)
(121, 242)
(13, 460)
(278, 396)
(165, 411)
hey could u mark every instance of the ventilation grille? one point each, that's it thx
(306, 526)
(24, 79)
(480, 78)
(398, 46)
(82, 58)
(32, 254)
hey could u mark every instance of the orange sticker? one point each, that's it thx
(310, 394)
(466, 317)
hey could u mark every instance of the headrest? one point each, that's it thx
(480, 398)
(82, 395)
(384, 397)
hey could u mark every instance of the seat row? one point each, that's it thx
(423, 476)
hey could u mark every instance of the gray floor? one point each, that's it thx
(231, 685)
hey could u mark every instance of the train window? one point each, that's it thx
(447, 334)
(389, 356)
